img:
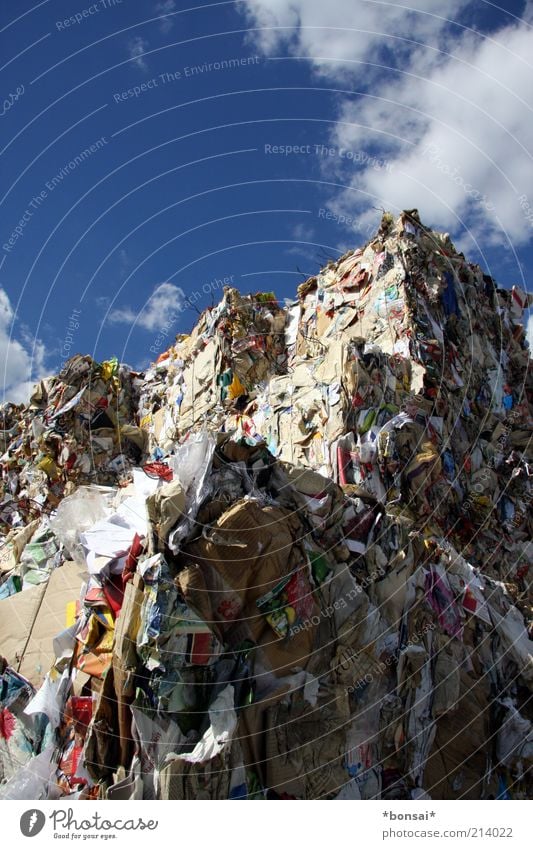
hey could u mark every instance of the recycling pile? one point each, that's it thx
(76, 430)
(240, 343)
(293, 560)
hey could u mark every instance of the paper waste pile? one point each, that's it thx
(291, 560)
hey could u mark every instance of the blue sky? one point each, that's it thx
(151, 149)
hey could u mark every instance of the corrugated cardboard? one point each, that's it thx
(30, 620)
(17, 615)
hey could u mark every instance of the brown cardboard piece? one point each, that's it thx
(243, 557)
(17, 614)
(30, 620)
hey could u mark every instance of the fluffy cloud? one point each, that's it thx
(22, 359)
(166, 299)
(165, 7)
(447, 107)
(458, 141)
(529, 334)
(137, 47)
(340, 31)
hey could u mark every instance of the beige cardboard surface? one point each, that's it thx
(30, 620)
(17, 614)
(64, 586)
(159, 420)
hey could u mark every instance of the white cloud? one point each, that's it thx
(163, 8)
(22, 359)
(527, 14)
(136, 48)
(458, 142)
(452, 115)
(125, 262)
(103, 302)
(330, 33)
(165, 300)
(302, 232)
(529, 334)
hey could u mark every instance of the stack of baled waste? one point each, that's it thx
(313, 577)
(76, 430)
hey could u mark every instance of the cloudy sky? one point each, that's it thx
(152, 149)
